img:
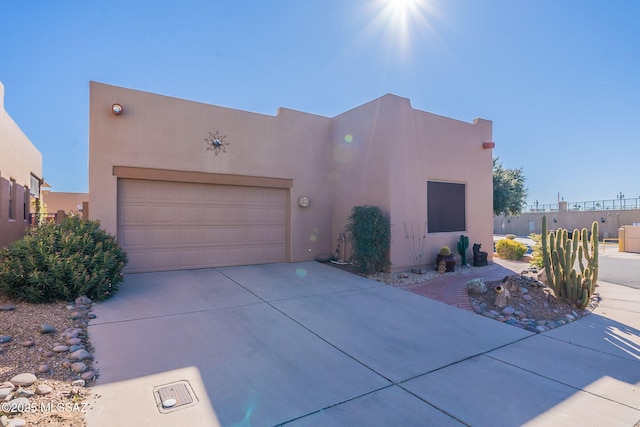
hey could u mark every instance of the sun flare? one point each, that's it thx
(401, 20)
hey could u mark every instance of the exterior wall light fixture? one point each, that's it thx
(117, 109)
(488, 145)
(304, 202)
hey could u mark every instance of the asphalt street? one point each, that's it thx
(621, 271)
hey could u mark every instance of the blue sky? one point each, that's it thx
(559, 79)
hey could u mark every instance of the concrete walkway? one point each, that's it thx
(307, 344)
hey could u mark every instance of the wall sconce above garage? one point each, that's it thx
(117, 109)
(303, 201)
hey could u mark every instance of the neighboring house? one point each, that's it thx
(189, 185)
(20, 177)
(70, 203)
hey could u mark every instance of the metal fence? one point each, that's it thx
(591, 205)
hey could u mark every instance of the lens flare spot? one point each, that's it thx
(348, 138)
(301, 272)
(313, 237)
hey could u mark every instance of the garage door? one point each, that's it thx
(176, 225)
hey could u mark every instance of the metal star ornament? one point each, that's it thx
(216, 142)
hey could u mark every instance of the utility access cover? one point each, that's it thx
(174, 396)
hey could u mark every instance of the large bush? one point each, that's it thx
(370, 236)
(510, 249)
(57, 262)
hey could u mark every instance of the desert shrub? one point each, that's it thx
(510, 249)
(370, 237)
(536, 255)
(59, 262)
(510, 236)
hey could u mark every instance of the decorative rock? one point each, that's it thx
(91, 316)
(508, 310)
(23, 380)
(78, 367)
(4, 339)
(17, 422)
(16, 405)
(72, 333)
(4, 421)
(83, 300)
(524, 290)
(540, 328)
(24, 393)
(4, 392)
(77, 315)
(570, 317)
(43, 368)
(476, 286)
(43, 389)
(27, 343)
(88, 375)
(47, 329)
(75, 348)
(7, 307)
(49, 353)
(78, 383)
(527, 297)
(60, 348)
(80, 355)
(66, 363)
(7, 384)
(74, 341)
(488, 314)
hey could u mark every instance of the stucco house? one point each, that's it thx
(20, 177)
(188, 185)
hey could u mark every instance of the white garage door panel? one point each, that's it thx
(171, 225)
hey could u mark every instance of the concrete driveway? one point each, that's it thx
(307, 344)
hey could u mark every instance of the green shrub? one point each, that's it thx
(510, 249)
(370, 237)
(536, 255)
(510, 236)
(59, 262)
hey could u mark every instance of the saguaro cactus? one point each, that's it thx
(559, 254)
(463, 245)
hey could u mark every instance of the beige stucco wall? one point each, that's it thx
(19, 158)
(167, 133)
(381, 153)
(395, 150)
(68, 202)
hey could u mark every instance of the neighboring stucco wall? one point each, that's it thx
(395, 150)
(19, 158)
(167, 133)
(68, 202)
(613, 220)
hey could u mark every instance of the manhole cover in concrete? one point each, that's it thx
(174, 396)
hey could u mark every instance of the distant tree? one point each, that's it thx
(509, 192)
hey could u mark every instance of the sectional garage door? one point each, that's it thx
(176, 225)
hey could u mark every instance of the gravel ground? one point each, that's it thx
(52, 400)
